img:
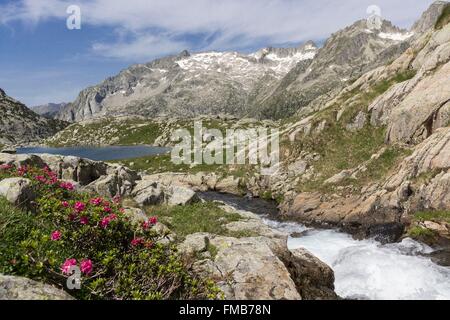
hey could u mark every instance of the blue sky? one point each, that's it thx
(42, 61)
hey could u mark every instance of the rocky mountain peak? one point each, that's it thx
(18, 124)
(303, 52)
(429, 17)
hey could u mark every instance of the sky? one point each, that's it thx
(42, 60)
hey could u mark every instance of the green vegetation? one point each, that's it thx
(199, 217)
(378, 168)
(422, 234)
(342, 149)
(163, 163)
(444, 18)
(433, 216)
(269, 196)
(426, 177)
(118, 260)
(108, 132)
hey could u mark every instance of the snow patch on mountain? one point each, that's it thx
(396, 36)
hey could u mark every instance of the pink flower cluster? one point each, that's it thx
(65, 268)
(96, 201)
(107, 220)
(84, 220)
(86, 266)
(23, 170)
(149, 223)
(137, 242)
(56, 235)
(79, 206)
(5, 167)
(80, 210)
(49, 177)
(67, 186)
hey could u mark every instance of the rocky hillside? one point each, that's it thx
(18, 124)
(378, 153)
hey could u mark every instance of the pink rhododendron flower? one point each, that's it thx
(52, 180)
(56, 235)
(137, 241)
(113, 216)
(153, 220)
(66, 186)
(22, 170)
(107, 209)
(105, 222)
(79, 206)
(5, 166)
(65, 204)
(96, 201)
(41, 179)
(65, 268)
(149, 223)
(84, 220)
(86, 266)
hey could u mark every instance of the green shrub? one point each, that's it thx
(199, 217)
(439, 215)
(118, 260)
(422, 234)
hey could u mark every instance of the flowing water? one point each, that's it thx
(98, 153)
(363, 269)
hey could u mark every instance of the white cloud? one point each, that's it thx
(140, 48)
(233, 23)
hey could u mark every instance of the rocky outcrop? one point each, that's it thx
(259, 265)
(17, 191)
(247, 269)
(107, 180)
(429, 17)
(110, 180)
(414, 109)
(421, 182)
(18, 288)
(19, 125)
(314, 279)
(180, 196)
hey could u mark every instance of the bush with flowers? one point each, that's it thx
(117, 260)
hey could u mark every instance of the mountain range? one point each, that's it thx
(272, 83)
(49, 110)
